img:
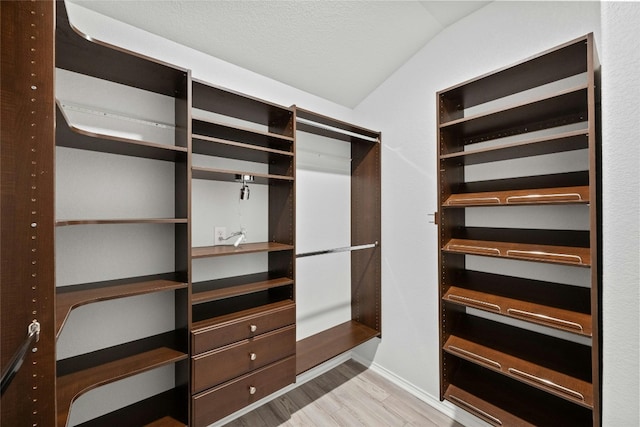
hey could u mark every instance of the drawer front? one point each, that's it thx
(217, 366)
(214, 404)
(242, 328)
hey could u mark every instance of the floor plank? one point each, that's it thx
(348, 395)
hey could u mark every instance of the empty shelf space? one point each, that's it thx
(234, 286)
(161, 410)
(565, 141)
(245, 248)
(239, 150)
(202, 126)
(579, 323)
(557, 108)
(232, 176)
(558, 306)
(541, 196)
(318, 124)
(72, 137)
(240, 106)
(120, 221)
(530, 184)
(77, 375)
(555, 366)
(317, 349)
(87, 55)
(559, 63)
(567, 255)
(503, 402)
(74, 296)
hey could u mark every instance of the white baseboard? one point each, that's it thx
(448, 409)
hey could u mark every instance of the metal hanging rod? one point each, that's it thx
(334, 129)
(344, 249)
(33, 335)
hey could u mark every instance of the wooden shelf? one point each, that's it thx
(558, 107)
(325, 345)
(68, 222)
(241, 134)
(549, 66)
(213, 290)
(500, 401)
(571, 321)
(567, 255)
(77, 375)
(74, 296)
(561, 142)
(245, 248)
(554, 365)
(557, 383)
(73, 137)
(211, 146)
(541, 196)
(230, 176)
(84, 54)
(160, 410)
(229, 103)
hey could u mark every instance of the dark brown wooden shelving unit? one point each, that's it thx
(253, 313)
(213, 290)
(144, 413)
(79, 374)
(365, 323)
(245, 248)
(79, 53)
(71, 136)
(230, 175)
(71, 297)
(120, 221)
(518, 351)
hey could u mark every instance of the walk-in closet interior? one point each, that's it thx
(185, 240)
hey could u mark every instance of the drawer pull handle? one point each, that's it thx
(252, 390)
(473, 249)
(475, 302)
(546, 319)
(542, 197)
(480, 200)
(475, 356)
(540, 255)
(253, 356)
(547, 383)
(253, 328)
(490, 418)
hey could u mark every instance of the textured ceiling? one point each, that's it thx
(338, 50)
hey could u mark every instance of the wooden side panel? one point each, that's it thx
(365, 229)
(27, 225)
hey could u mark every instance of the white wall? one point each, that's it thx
(404, 109)
(620, 58)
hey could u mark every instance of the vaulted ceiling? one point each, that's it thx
(338, 50)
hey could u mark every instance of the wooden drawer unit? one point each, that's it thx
(223, 330)
(216, 366)
(216, 403)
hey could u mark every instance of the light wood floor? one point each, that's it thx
(349, 395)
